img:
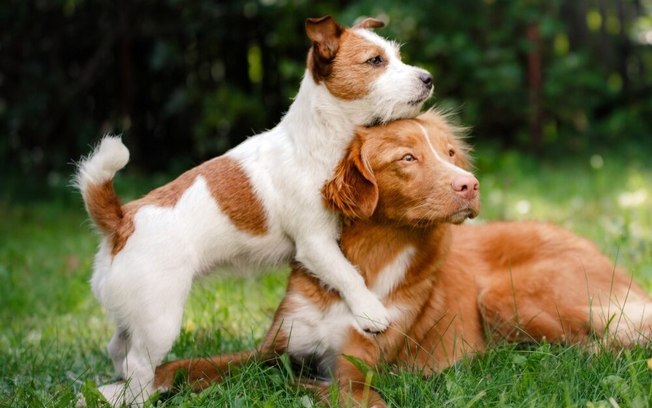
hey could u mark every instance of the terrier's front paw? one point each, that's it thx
(371, 315)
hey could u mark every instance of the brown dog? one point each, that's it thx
(401, 186)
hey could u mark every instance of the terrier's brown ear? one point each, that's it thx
(353, 190)
(325, 34)
(370, 23)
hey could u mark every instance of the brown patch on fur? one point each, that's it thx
(352, 72)
(235, 195)
(103, 206)
(229, 185)
(123, 232)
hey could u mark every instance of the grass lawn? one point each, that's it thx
(53, 333)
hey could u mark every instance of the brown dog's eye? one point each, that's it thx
(375, 61)
(451, 152)
(409, 158)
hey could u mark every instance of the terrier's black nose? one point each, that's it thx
(426, 78)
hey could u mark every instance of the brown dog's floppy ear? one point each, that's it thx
(324, 32)
(370, 23)
(352, 190)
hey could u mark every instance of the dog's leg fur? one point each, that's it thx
(354, 382)
(354, 379)
(148, 325)
(512, 314)
(320, 253)
(202, 372)
(526, 302)
(118, 348)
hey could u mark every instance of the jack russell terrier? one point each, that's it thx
(259, 203)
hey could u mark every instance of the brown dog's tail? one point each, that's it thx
(94, 178)
(199, 372)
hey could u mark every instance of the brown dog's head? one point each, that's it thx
(412, 172)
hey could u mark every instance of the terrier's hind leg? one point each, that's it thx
(150, 319)
(118, 348)
(148, 344)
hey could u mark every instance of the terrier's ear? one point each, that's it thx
(325, 34)
(370, 23)
(353, 190)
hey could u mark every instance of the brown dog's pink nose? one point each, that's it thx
(466, 186)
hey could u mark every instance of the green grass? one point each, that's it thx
(53, 333)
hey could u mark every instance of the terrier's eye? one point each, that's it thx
(375, 61)
(409, 158)
(451, 152)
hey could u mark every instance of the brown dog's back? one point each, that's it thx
(540, 282)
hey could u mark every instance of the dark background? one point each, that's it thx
(186, 80)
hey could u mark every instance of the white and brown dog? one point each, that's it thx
(401, 186)
(258, 203)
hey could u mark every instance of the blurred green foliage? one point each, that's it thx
(187, 80)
